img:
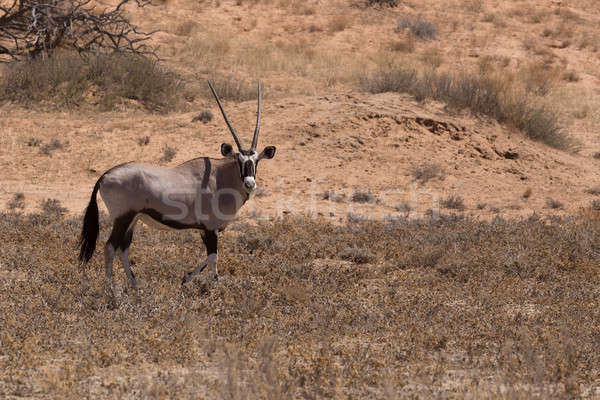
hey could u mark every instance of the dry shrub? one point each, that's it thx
(426, 171)
(595, 191)
(53, 208)
(204, 116)
(539, 78)
(418, 26)
(34, 142)
(359, 255)
(333, 196)
(390, 3)
(512, 303)
(554, 204)
(48, 148)
(143, 141)
(363, 196)
(493, 95)
(473, 6)
(17, 202)
(453, 202)
(168, 153)
(69, 80)
(432, 57)
(404, 207)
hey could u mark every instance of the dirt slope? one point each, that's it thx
(342, 142)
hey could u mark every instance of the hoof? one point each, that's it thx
(216, 278)
(186, 279)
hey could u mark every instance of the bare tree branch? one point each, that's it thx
(29, 28)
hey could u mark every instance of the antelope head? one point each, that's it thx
(247, 159)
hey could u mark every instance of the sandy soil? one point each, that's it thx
(330, 135)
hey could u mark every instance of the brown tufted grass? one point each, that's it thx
(444, 307)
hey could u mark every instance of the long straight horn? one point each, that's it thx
(233, 132)
(255, 138)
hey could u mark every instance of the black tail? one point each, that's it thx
(91, 227)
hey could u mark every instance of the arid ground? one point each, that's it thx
(429, 226)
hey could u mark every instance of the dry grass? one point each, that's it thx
(492, 95)
(204, 116)
(418, 26)
(554, 204)
(426, 171)
(453, 202)
(52, 208)
(339, 23)
(143, 141)
(48, 148)
(363, 196)
(449, 307)
(331, 195)
(168, 153)
(595, 191)
(17, 202)
(68, 80)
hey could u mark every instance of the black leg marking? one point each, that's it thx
(120, 234)
(210, 240)
(120, 238)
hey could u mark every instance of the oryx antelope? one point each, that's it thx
(203, 193)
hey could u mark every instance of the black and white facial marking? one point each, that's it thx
(248, 163)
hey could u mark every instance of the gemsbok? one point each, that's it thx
(203, 193)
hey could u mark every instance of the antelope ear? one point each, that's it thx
(227, 150)
(268, 152)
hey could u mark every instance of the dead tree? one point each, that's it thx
(29, 28)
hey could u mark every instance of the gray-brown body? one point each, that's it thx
(202, 193)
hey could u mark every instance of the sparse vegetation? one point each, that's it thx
(66, 79)
(554, 204)
(493, 300)
(390, 3)
(453, 202)
(406, 45)
(595, 191)
(34, 142)
(333, 196)
(487, 95)
(404, 207)
(143, 141)
(17, 202)
(204, 116)
(359, 255)
(48, 148)
(168, 153)
(53, 208)
(418, 26)
(232, 89)
(426, 171)
(339, 23)
(363, 196)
